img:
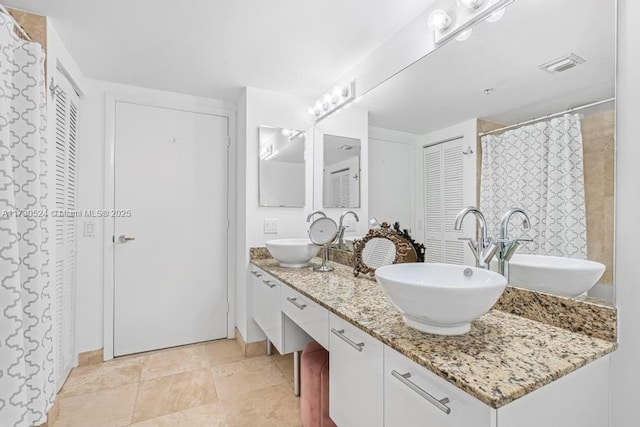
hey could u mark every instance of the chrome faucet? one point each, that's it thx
(483, 248)
(342, 228)
(508, 247)
(318, 212)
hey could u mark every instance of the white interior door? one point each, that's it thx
(171, 197)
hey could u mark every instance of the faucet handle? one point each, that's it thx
(473, 243)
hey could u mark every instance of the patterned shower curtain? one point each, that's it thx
(26, 350)
(538, 168)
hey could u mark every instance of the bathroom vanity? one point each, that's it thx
(508, 371)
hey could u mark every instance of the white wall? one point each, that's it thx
(391, 173)
(258, 107)
(90, 268)
(352, 123)
(625, 362)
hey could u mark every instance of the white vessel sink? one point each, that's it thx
(440, 299)
(292, 253)
(555, 275)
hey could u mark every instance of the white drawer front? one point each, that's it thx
(413, 396)
(310, 316)
(355, 376)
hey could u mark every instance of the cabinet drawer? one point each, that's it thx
(355, 376)
(266, 305)
(414, 396)
(310, 316)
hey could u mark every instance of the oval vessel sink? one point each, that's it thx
(292, 253)
(553, 274)
(440, 299)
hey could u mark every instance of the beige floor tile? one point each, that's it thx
(285, 364)
(174, 393)
(271, 407)
(256, 373)
(114, 373)
(106, 408)
(173, 361)
(209, 415)
(220, 352)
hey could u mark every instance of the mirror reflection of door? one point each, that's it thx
(341, 172)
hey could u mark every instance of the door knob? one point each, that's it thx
(125, 239)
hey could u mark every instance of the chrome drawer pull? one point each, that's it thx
(255, 273)
(340, 334)
(440, 404)
(269, 284)
(297, 304)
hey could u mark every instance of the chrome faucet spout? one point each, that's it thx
(318, 212)
(482, 247)
(508, 246)
(342, 228)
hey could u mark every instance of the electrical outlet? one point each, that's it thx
(88, 229)
(270, 226)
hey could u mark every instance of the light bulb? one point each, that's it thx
(337, 92)
(497, 15)
(285, 132)
(326, 98)
(464, 35)
(469, 4)
(318, 105)
(439, 20)
(311, 111)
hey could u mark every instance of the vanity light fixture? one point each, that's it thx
(451, 25)
(340, 96)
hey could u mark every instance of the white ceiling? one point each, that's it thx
(212, 48)
(447, 86)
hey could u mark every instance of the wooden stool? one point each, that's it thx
(314, 400)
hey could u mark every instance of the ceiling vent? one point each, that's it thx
(562, 64)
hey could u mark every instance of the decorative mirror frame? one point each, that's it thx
(419, 247)
(402, 244)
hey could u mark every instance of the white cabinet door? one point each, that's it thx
(413, 396)
(266, 305)
(355, 376)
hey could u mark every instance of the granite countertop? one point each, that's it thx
(502, 358)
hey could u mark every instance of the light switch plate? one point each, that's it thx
(270, 226)
(88, 229)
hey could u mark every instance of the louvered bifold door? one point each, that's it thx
(443, 199)
(453, 200)
(66, 161)
(433, 217)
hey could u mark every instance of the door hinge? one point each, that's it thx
(228, 141)
(228, 224)
(227, 306)
(113, 239)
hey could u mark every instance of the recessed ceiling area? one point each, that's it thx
(448, 86)
(213, 48)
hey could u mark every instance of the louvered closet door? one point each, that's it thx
(444, 197)
(66, 154)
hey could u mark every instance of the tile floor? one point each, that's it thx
(209, 384)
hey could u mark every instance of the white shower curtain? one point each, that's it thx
(538, 168)
(26, 350)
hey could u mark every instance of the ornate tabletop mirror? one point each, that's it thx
(385, 246)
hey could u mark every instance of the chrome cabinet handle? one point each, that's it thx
(269, 284)
(124, 239)
(255, 273)
(340, 334)
(440, 404)
(296, 303)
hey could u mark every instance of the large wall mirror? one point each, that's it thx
(533, 70)
(281, 167)
(340, 172)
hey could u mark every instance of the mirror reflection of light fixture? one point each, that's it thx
(340, 97)
(449, 25)
(439, 20)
